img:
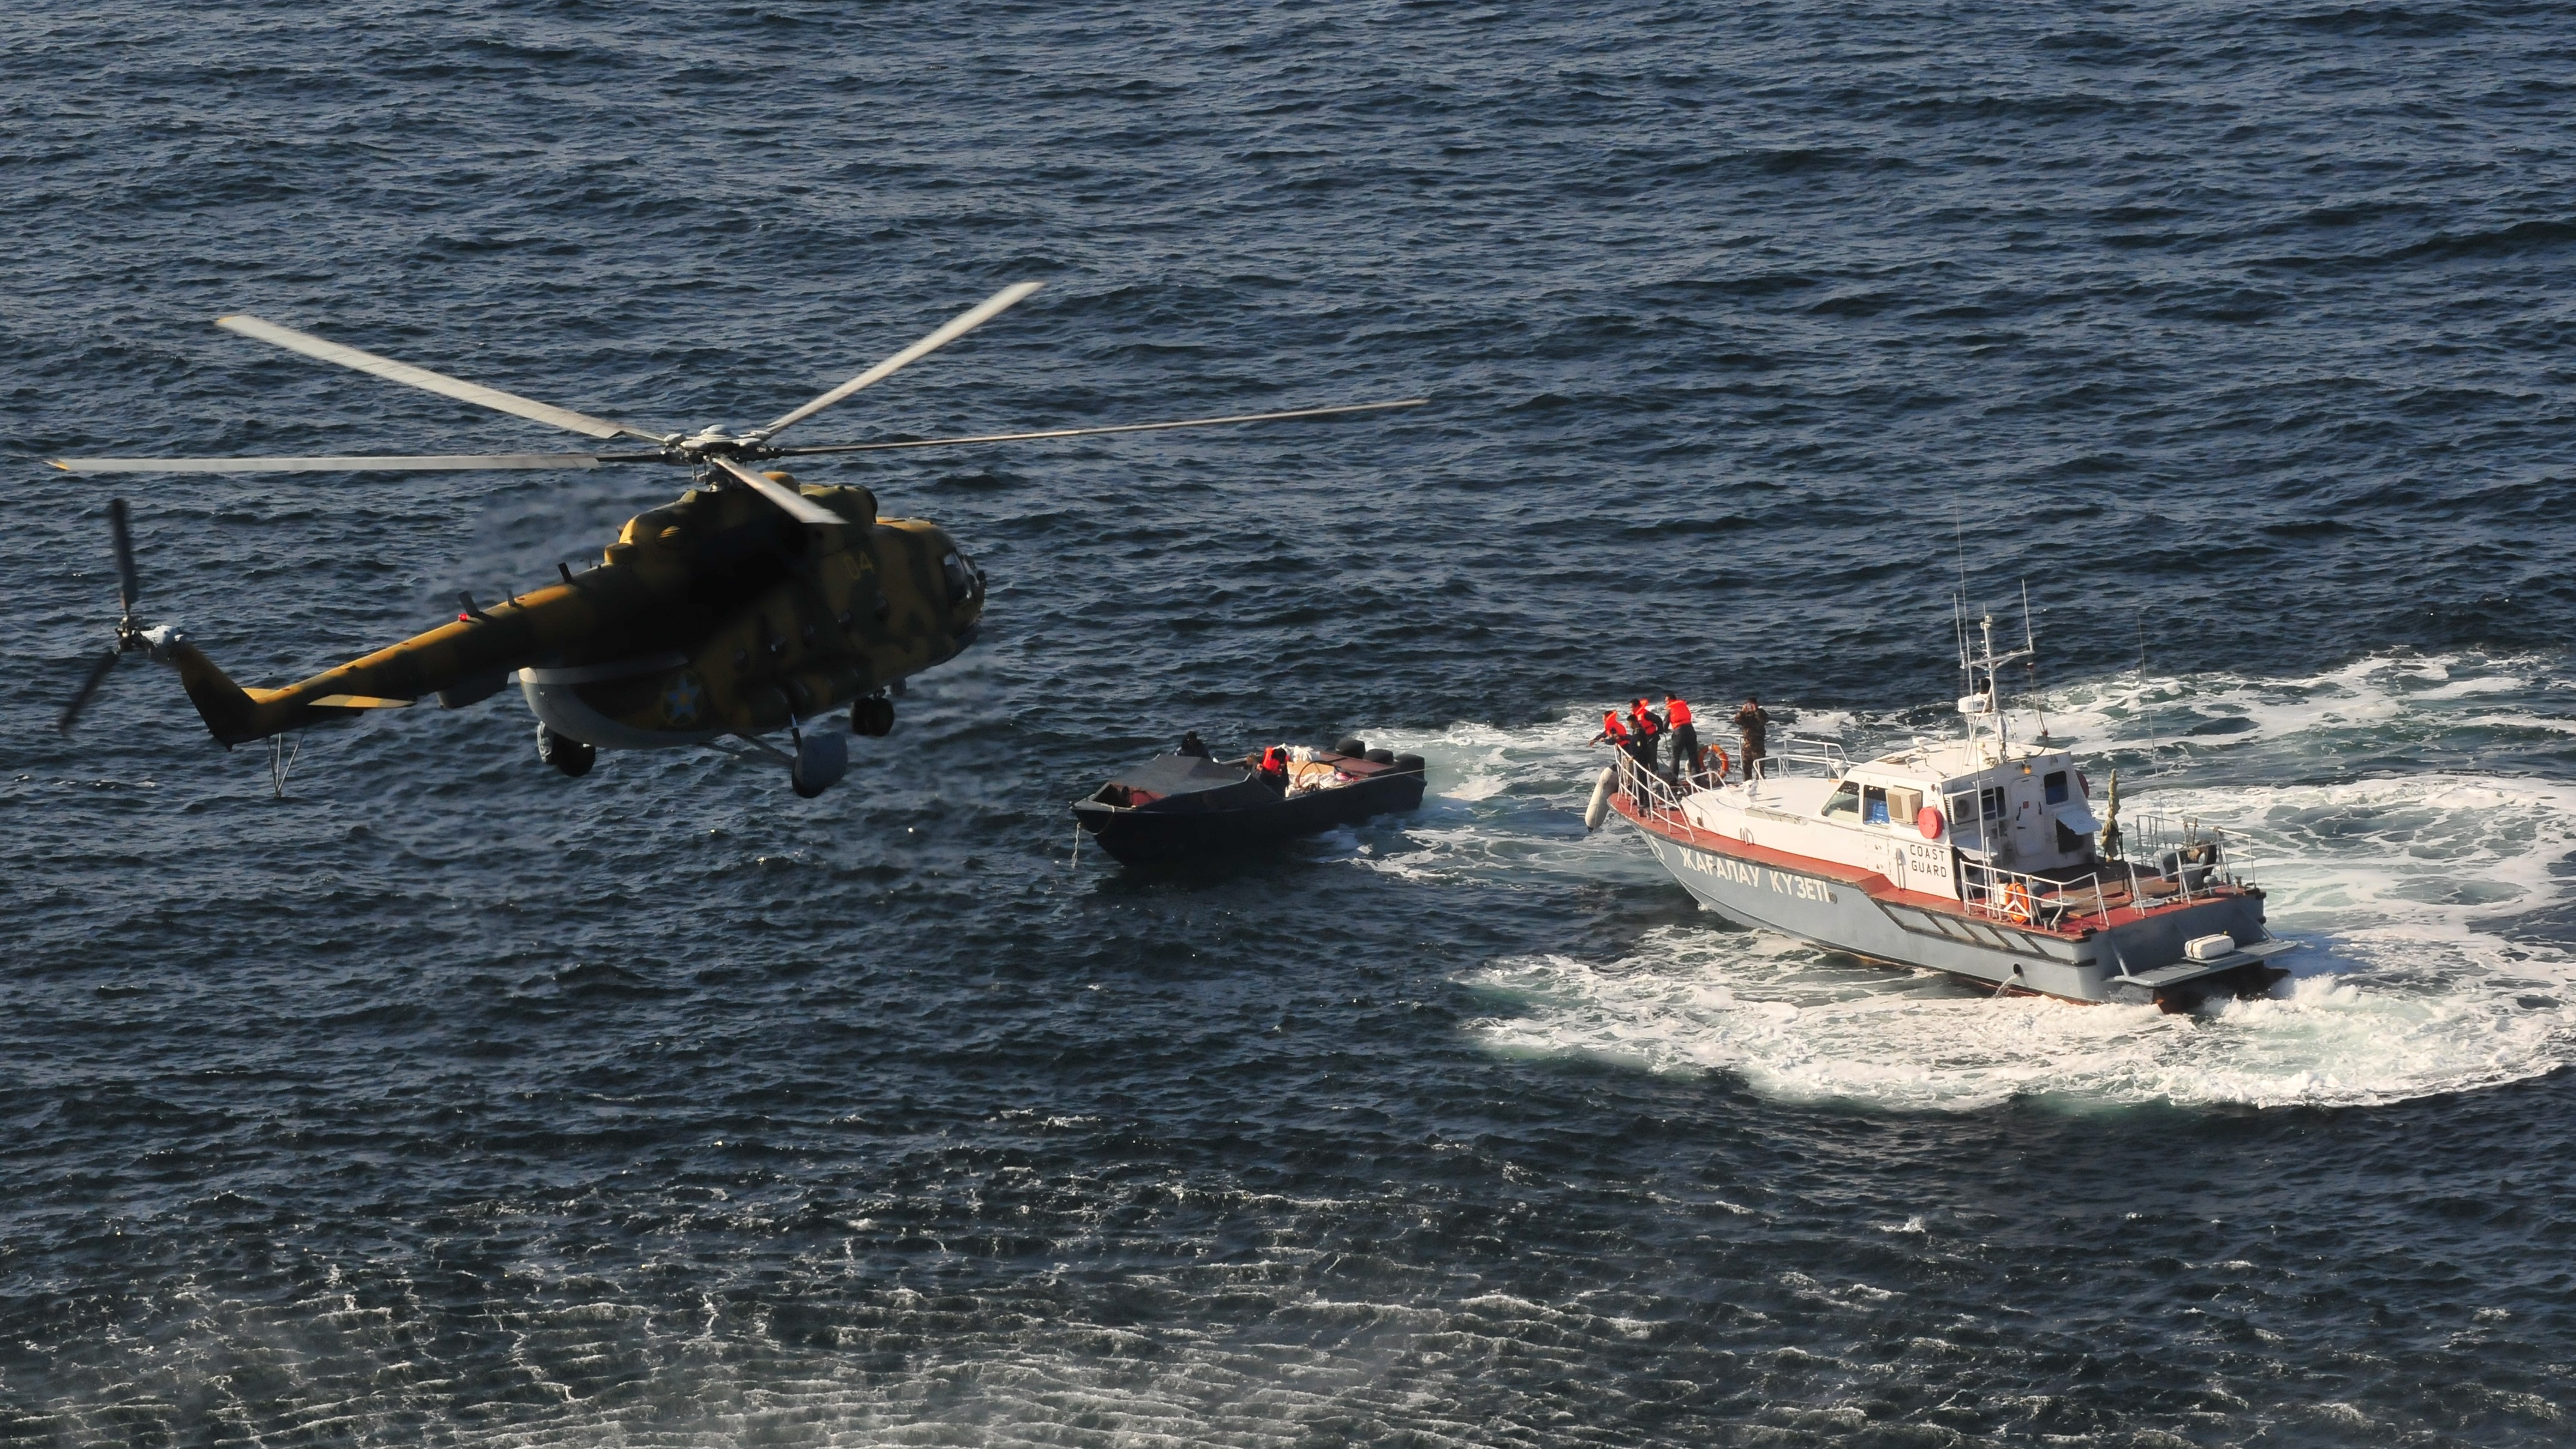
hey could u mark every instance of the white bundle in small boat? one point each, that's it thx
(1313, 774)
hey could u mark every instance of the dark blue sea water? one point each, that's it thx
(448, 1101)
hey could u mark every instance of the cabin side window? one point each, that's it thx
(2055, 782)
(1903, 806)
(1873, 804)
(1990, 802)
(1844, 801)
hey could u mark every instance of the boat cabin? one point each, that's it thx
(1953, 818)
(2028, 811)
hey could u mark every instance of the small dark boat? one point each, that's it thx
(1177, 806)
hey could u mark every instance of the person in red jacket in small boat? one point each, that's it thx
(1273, 768)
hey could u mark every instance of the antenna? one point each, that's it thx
(1959, 627)
(2030, 662)
(1959, 613)
(2144, 706)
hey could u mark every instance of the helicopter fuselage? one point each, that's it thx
(713, 615)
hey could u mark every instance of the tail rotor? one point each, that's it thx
(129, 630)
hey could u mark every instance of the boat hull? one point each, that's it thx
(1893, 928)
(1137, 837)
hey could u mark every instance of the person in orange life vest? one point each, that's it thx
(1677, 718)
(1613, 732)
(1646, 727)
(1274, 768)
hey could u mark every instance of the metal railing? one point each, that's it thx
(2172, 850)
(2024, 899)
(1826, 755)
(1653, 794)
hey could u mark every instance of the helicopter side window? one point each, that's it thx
(1844, 801)
(2055, 781)
(961, 580)
(1873, 804)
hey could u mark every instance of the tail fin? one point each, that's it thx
(231, 715)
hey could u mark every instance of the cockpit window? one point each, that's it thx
(961, 578)
(1844, 801)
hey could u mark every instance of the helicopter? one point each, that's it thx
(750, 605)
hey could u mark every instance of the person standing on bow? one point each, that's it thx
(1677, 720)
(1648, 728)
(1617, 735)
(1753, 729)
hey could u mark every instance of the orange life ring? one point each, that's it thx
(1723, 763)
(2017, 903)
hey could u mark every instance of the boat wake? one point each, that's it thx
(2423, 832)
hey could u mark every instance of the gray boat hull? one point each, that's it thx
(2136, 960)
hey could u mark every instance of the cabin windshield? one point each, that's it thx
(1844, 801)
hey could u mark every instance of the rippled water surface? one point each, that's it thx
(449, 1101)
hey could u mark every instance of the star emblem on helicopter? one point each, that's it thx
(680, 698)
(750, 606)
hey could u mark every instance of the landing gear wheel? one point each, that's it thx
(872, 716)
(571, 756)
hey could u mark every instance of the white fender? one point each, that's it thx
(1599, 809)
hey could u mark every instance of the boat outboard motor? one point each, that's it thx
(2189, 865)
(1350, 747)
(2197, 863)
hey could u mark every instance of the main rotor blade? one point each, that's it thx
(358, 463)
(958, 326)
(421, 377)
(797, 505)
(88, 687)
(1411, 402)
(129, 587)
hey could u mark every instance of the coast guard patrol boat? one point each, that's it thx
(1978, 856)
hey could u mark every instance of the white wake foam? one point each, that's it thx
(2404, 816)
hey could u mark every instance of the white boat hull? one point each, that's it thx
(2130, 960)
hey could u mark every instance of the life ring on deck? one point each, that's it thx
(1929, 821)
(2017, 903)
(1717, 753)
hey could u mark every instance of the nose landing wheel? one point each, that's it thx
(571, 756)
